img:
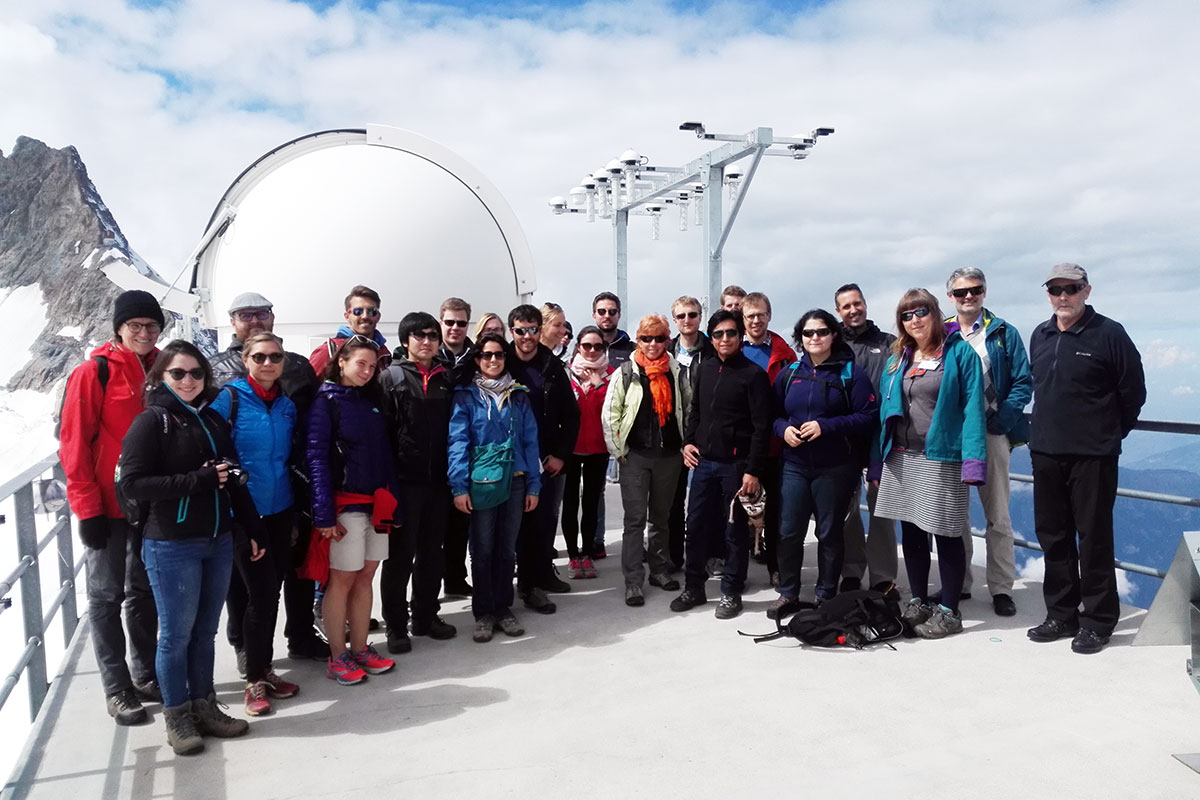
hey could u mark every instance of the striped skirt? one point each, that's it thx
(929, 494)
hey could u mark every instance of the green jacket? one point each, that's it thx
(623, 399)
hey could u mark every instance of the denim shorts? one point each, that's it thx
(360, 544)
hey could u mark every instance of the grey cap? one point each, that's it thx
(1071, 272)
(248, 300)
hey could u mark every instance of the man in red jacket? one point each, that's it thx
(96, 414)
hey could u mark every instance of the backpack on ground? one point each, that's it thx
(102, 376)
(857, 619)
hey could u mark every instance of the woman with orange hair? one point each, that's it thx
(643, 420)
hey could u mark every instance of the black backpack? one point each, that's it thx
(851, 619)
(101, 375)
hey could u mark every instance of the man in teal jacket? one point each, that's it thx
(1008, 387)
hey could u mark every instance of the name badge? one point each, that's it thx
(929, 363)
(684, 358)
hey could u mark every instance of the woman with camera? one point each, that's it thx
(176, 465)
(262, 420)
(354, 490)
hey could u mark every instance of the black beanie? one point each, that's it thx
(133, 304)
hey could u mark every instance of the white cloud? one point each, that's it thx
(1163, 354)
(1183, 391)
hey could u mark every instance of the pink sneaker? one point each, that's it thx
(589, 570)
(574, 568)
(257, 703)
(345, 671)
(277, 687)
(372, 662)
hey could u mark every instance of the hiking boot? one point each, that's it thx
(783, 607)
(257, 703)
(536, 599)
(774, 580)
(483, 628)
(345, 670)
(689, 598)
(941, 624)
(147, 691)
(850, 585)
(664, 582)
(240, 654)
(556, 584)
(888, 590)
(1052, 630)
(575, 569)
(508, 623)
(589, 569)
(437, 628)
(181, 730)
(1087, 641)
(125, 708)
(212, 721)
(398, 642)
(1004, 606)
(729, 606)
(457, 589)
(310, 649)
(278, 688)
(372, 663)
(915, 612)
(634, 596)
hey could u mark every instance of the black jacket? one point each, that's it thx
(420, 410)
(553, 400)
(298, 381)
(163, 461)
(689, 371)
(1088, 387)
(460, 369)
(731, 414)
(871, 348)
(620, 349)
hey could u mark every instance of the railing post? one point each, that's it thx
(31, 597)
(66, 564)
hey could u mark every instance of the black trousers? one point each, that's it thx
(1073, 496)
(590, 470)
(415, 551)
(253, 599)
(677, 522)
(299, 593)
(455, 545)
(535, 541)
(771, 484)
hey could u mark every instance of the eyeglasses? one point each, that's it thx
(590, 346)
(919, 313)
(659, 339)
(177, 374)
(358, 340)
(153, 327)
(262, 358)
(491, 355)
(454, 323)
(975, 290)
(370, 312)
(1055, 291)
(814, 333)
(530, 331)
(687, 315)
(725, 333)
(425, 336)
(757, 315)
(611, 312)
(262, 315)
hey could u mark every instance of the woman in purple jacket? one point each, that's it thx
(350, 465)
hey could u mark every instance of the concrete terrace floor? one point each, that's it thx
(601, 700)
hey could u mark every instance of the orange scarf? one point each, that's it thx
(660, 383)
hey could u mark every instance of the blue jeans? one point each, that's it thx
(493, 542)
(190, 579)
(805, 493)
(714, 486)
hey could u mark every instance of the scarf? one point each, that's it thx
(590, 374)
(658, 372)
(266, 395)
(495, 388)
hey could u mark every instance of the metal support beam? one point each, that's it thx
(621, 254)
(31, 597)
(66, 563)
(737, 203)
(711, 178)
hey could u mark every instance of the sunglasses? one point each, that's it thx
(725, 333)
(814, 333)
(687, 315)
(262, 358)
(358, 340)
(590, 347)
(454, 323)
(177, 374)
(975, 290)
(491, 355)
(609, 312)
(919, 313)
(530, 331)
(370, 312)
(426, 336)
(658, 339)
(1071, 289)
(151, 328)
(263, 314)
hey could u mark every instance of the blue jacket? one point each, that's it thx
(357, 457)
(1012, 379)
(475, 420)
(847, 415)
(958, 431)
(263, 437)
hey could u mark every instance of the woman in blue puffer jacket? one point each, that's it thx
(491, 421)
(262, 420)
(349, 454)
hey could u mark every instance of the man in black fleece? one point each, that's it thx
(725, 442)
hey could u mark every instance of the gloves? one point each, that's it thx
(94, 532)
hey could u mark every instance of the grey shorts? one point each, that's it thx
(360, 544)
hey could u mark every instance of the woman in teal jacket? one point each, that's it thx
(493, 442)
(932, 445)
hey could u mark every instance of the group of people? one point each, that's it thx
(205, 483)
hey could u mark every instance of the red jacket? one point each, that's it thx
(591, 434)
(94, 422)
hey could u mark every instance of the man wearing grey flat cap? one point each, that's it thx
(1088, 389)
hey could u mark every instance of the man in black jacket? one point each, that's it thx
(557, 412)
(455, 356)
(252, 313)
(418, 393)
(1088, 389)
(690, 348)
(725, 442)
(870, 553)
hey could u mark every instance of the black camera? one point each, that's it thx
(237, 475)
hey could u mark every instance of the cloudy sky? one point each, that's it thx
(1004, 135)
